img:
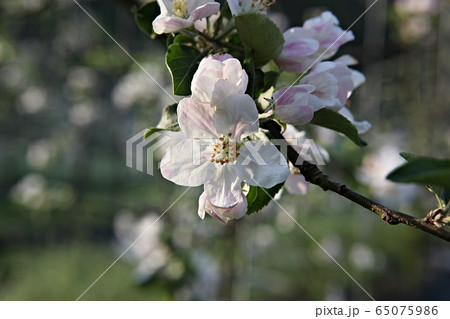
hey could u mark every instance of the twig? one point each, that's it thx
(315, 176)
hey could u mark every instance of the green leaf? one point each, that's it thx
(182, 38)
(441, 193)
(145, 15)
(260, 35)
(339, 123)
(258, 197)
(424, 170)
(407, 156)
(182, 61)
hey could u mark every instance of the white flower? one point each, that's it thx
(317, 40)
(215, 154)
(239, 7)
(217, 77)
(179, 14)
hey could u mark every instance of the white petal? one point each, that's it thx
(261, 164)
(195, 118)
(358, 78)
(186, 164)
(238, 115)
(224, 189)
(202, 205)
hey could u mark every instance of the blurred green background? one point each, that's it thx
(69, 206)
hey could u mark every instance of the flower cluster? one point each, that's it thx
(328, 84)
(223, 143)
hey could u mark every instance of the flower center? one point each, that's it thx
(262, 5)
(225, 150)
(180, 9)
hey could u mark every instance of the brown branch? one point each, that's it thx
(315, 176)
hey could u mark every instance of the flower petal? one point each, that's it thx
(295, 114)
(206, 10)
(224, 189)
(261, 164)
(196, 119)
(186, 164)
(238, 115)
(170, 24)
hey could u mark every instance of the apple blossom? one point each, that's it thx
(317, 40)
(239, 7)
(215, 154)
(295, 104)
(179, 14)
(333, 83)
(217, 77)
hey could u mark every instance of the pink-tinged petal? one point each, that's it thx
(326, 87)
(333, 82)
(326, 19)
(204, 11)
(237, 115)
(196, 119)
(292, 104)
(261, 164)
(300, 48)
(186, 164)
(296, 34)
(291, 94)
(170, 24)
(222, 214)
(298, 64)
(295, 114)
(347, 60)
(221, 57)
(296, 184)
(224, 189)
(216, 78)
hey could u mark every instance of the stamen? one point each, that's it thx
(180, 8)
(224, 151)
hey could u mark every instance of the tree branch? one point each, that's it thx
(315, 176)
